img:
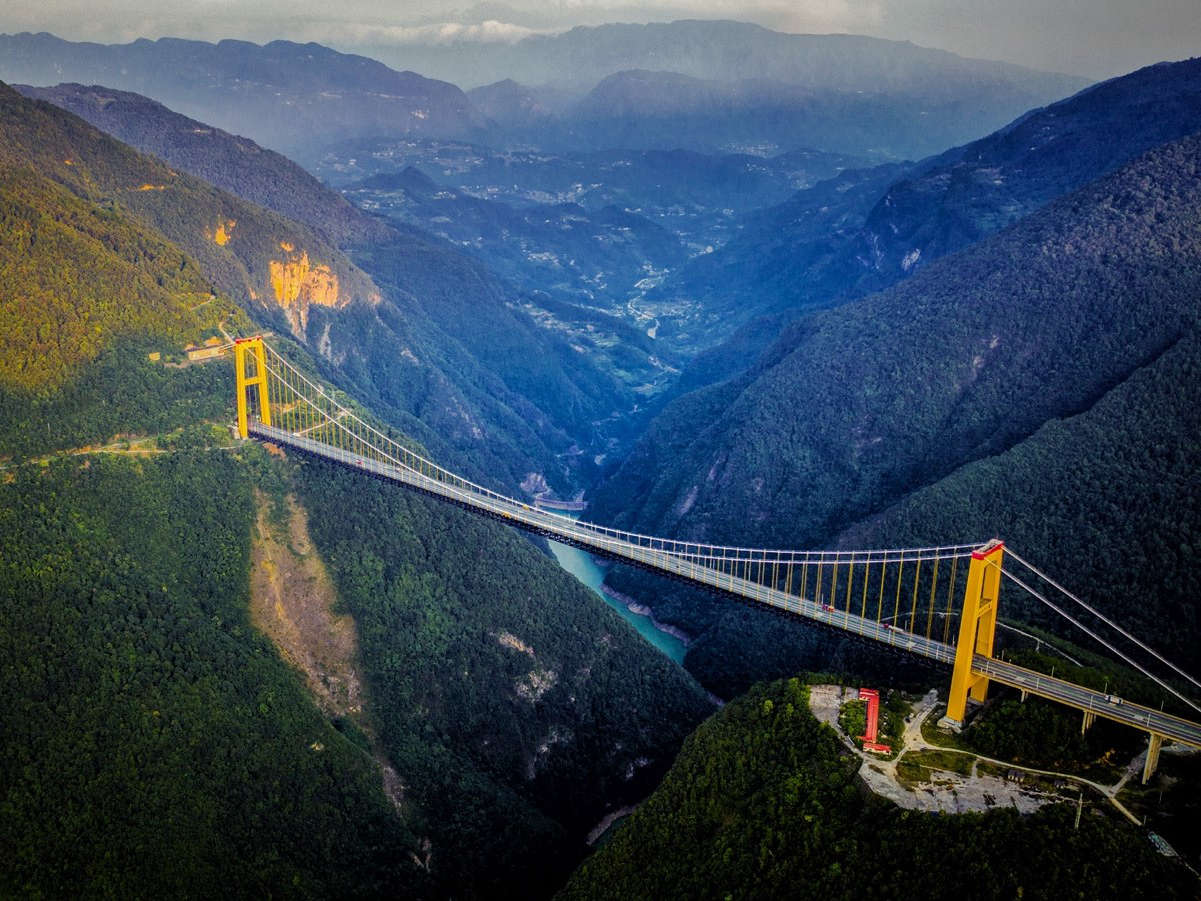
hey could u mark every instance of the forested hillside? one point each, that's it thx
(155, 743)
(232, 163)
(516, 704)
(763, 803)
(858, 407)
(433, 340)
(256, 257)
(828, 244)
(112, 277)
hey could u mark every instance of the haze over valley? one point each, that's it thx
(734, 286)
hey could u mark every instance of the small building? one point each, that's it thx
(873, 719)
(211, 349)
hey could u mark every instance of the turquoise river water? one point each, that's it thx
(581, 565)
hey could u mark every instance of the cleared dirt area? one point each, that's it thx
(292, 601)
(926, 778)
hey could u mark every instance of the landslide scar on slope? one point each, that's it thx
(292, 600)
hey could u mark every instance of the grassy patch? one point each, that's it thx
(852, 720)
(942, 739)
(943, 760)
(924, 767)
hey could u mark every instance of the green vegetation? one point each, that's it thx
(154, 743)
(517, 706)
(761, 804)
(77, 276)
(64, 149)
(121, 392)
(1047, 736)
(852, 720)
(234, 164)
(1037, 386)
(916, 767)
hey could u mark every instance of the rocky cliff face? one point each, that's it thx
(297, 283)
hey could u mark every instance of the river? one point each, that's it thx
(581, 565)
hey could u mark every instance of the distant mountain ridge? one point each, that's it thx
(724, 51)
(836, 93)
(758, 90)
(281, 94)
(779, 265)
(233, 163)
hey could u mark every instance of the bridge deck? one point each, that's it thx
(606, 542)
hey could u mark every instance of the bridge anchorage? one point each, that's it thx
(935, 602)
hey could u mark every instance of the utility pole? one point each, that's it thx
(1079, 807)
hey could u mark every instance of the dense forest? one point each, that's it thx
(111, 278)
(858, 408)
(763, 803)
(517, 705)
(155, 744)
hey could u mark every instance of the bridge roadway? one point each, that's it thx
(607, 542)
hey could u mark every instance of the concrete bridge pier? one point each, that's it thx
(1152, 761)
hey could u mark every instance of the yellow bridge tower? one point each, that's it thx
(253, 349)
(977, 627)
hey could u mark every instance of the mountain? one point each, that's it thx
(828, 244)
(973, 191)
(764, 801)
(434, 340)
(514, 106)
(290, 97)
(662, 110)
(732, 51)
(251, 254)
(839, 93)
(836, 93)
(234, 164)
(857, 408)
(152, 577)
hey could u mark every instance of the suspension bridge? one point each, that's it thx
(939, 603)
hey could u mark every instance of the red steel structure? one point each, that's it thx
(873, 720)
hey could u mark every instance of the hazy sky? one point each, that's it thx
(1096, 38)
